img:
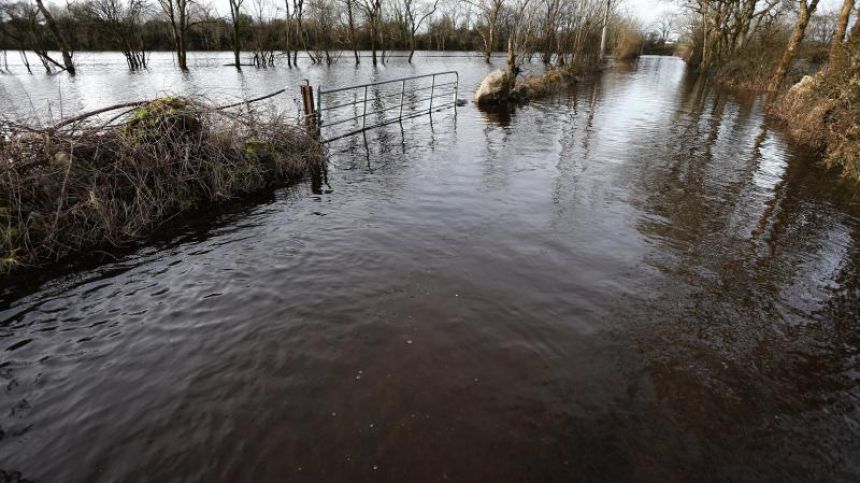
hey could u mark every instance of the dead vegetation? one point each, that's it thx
(90, 183)
(821, 112)
(536, 86)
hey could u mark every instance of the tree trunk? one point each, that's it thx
(236, 47)
(182, 51)
(65, 48)
(854, 40)
(352, 39)
(26, 61)
(605, 28)
(491, 40)
(839, 36)
(806, 11)
(512, 56)
(373, 40)
(740, 38)
(288, 33)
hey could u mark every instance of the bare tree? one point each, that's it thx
(288, 22)
(807, 8)
(373, 12)
(415, 14)
(549, 27)
(178, 13)
(121, 21)
(65, 46)
(490, 17)
(665, 25)
(298, 13)
(23, 24)
(324, 19)
(521, 28)
(605, 29)
(263, 35)
(235, 18)
(839, 36)
(350, 24)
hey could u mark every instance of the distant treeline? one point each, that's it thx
(557, 31)
(88, 30)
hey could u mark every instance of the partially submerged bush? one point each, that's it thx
(629, 42)
(534, 86)
(75, 187)
(501, 87)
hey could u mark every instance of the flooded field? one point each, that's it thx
(637, 280)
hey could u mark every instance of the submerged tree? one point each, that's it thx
(121, 22)
(178, 13)
(23, 24)
(62, 41)
(350, 24)
(235, 19)
(490, 17)
(373, 13)
(415, 14)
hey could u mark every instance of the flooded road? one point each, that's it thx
(639, 280)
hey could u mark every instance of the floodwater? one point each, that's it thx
(638, 280)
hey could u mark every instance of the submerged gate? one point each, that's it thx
(345, 111)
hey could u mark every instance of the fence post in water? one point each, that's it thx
(456, 88)
(319, 108)
(402, 88)
(364, 114)
(309, 106)
(432, 90)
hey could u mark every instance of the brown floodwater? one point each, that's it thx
(637, 280)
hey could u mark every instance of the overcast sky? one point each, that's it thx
(649, 10)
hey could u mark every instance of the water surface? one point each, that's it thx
(638, 280)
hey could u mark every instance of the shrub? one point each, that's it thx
(78, 186)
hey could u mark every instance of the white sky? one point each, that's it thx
(647, 11)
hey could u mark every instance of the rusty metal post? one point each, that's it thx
(309, 106)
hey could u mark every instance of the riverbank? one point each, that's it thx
(88, 183)
(819, 105)
(822, 111)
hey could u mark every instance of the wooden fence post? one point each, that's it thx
(309, 106)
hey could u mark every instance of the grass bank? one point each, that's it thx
(819, 102)
(90, 184)
(823, 111)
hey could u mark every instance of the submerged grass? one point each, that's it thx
(81, 185)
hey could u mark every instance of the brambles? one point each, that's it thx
(821, 112)
(83, 185)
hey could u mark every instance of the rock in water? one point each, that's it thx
(495, 88)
